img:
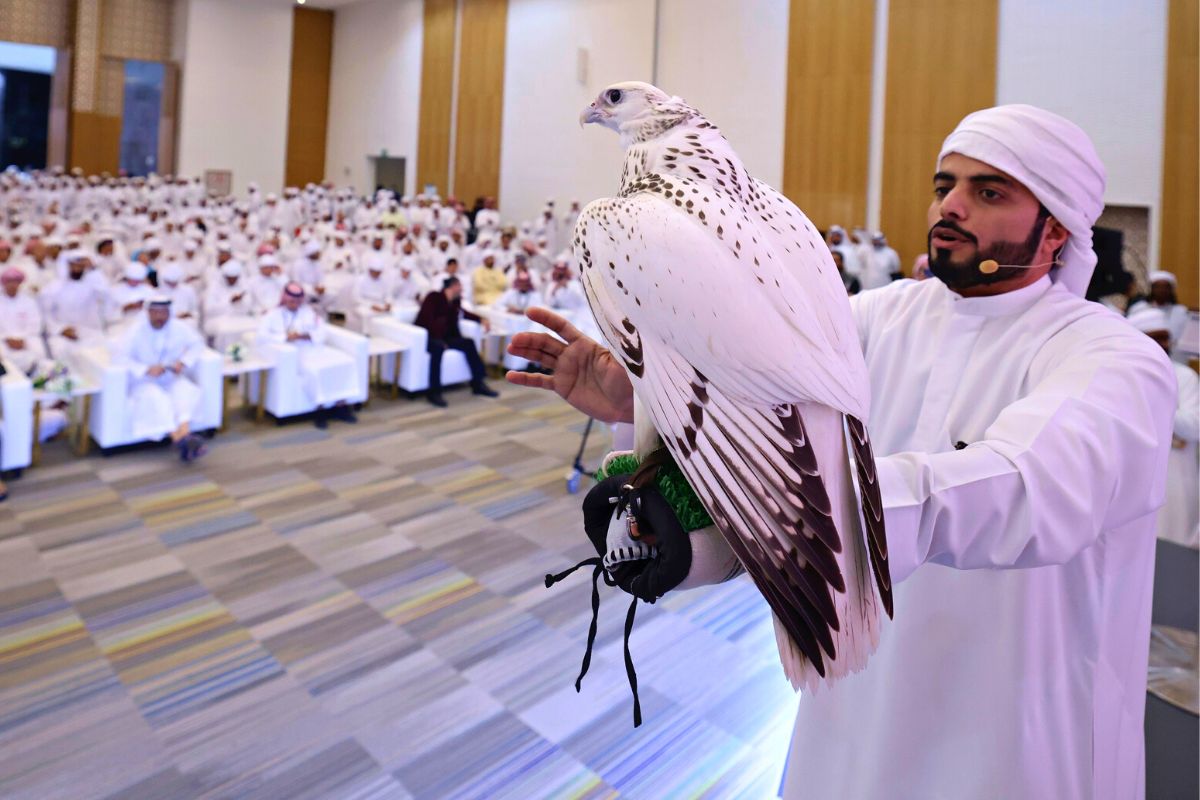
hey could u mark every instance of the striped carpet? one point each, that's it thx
(359, 613)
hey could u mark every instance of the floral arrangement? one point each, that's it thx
(56, 380)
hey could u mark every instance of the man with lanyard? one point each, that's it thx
(1021, 458)
(327, 374)
(158, 350)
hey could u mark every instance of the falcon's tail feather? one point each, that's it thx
(872, 508)
(857, 606)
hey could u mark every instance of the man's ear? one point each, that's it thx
(1056, 234)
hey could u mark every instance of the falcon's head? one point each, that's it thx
(632, 103)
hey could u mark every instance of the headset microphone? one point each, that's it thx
(990, 265)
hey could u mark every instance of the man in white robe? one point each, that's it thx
(1021, 437)
(411, 285)
(158, 351)
(1179, 519)
(74, 309)
(227, 311)
(1162, 296)
(879, 262)
(265, 287)
(374, 292)
(520, 295)
(20, 324)
(185, 307)
(488, 218)
(308, 272)
(566, 228)
(327, 374)
(840, 242)
(127, 299)
(564, 293)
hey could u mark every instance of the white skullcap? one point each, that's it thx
(268, 260)
(375, 261)
(1162, 275)
(312, 247)
(171, 272)
(135, 271)
(1148, 318)
(153, 243)
(231, 268)
(1053, 158)
(75, 255)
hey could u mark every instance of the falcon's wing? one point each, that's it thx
(773, 327)
(721, 371)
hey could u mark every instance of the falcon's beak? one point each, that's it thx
(591, 114)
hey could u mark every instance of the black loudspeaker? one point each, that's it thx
(1110, 276)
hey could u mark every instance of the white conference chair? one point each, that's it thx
(109, 422)
(414, 363)
(285, 392)
(16, 419)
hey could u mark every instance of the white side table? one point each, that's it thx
(81, 391)
(379, 348)
(251, 363)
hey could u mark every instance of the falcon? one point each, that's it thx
(722, 301)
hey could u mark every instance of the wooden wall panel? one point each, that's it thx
(308, 96)
(437, 89)
(827, 123)
(47, 22)
(941, 65)
(1179, 250)
(95, 142)
(480, 99)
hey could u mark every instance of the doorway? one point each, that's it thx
(389, 173)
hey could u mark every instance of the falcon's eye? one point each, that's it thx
(614, 96)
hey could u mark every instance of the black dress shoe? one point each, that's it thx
(345, 414)
(485, 390)
(436, 399)
(322, 419)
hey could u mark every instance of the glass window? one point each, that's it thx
(139, 123)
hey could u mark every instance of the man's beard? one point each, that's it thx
(968, 275)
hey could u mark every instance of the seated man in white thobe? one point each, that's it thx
(308, 272)
(227, 312)
(22, 346)
(157, 350)
(185, 307)
(520, 295)
(374, 292)
(1179, 518)
(411, 286)
(327, 374)
(265, 287)
(20, 324)
(74, 309)
(127, 299)
(340, 250)
(563, 292)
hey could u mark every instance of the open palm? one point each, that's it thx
(585, 374)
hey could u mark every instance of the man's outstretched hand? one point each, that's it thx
(585, 374)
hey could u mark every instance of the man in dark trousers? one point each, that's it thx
(439, 315)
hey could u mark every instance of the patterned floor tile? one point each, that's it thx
(360, 612)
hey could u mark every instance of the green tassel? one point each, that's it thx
(672, 485)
